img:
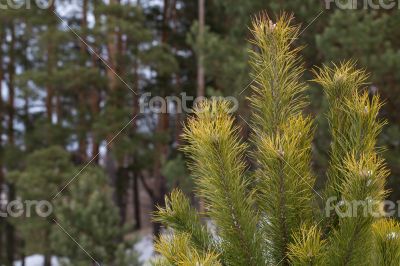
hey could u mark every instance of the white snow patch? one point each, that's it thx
(144, 247)
(36, 260)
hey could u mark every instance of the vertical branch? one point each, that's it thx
(217, 163)
(284, 174)
(356, 172)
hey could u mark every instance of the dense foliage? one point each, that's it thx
(264, 215)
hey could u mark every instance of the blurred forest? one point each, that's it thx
(72, 130)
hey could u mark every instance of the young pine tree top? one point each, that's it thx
(268, 214)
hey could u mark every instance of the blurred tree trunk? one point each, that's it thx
(58, 108)
(50, 66)
(136, 201)
(200, 66)
(1, 134)
(200, 56)
(47, 255)
(10, 134)
(161, 148)
(47, 260)
(49, 87)
(135, 113)
(112, 55)
(178, 115)
(82, 141)
(95, 108)
(94, 102)
(116, 98)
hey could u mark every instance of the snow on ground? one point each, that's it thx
(144, 247)
(36, 260)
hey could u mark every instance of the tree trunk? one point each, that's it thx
(10, 134)
(22, 253)
(200, 55)
(121, 189)
(58, 108)
(116, 97)
(159, 200)
(161, 148)
(1, 142)
(112, 56)
(160, 181)
(47, 260)
(178, 115)
(82, 141)
(136, 201)
(95, 108)
(50, 66)
(135, 112)
(200, 66)
(10, 231)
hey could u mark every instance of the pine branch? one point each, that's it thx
(352, 120)
(386, 234)
(218, 166)
(283, 135)
(355, 174)
(364, 182)
(308, 248)
(177, 250)
(182, 218)
(277, 69)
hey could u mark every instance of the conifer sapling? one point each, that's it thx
(267, 214)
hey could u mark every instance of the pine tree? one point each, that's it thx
(44, 174)
(267, 214)
(358, 34)
(90, 216)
